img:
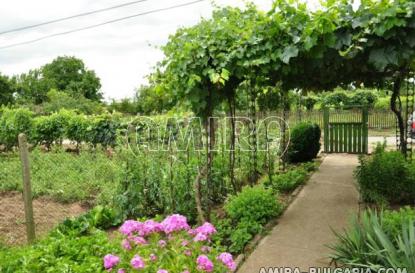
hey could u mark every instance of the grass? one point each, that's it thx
(63, 176)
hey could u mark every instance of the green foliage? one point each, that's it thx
(288, 181)
(309, 102)
(7, 90)
(386, 176)
(59, 253)
(367, 244)
(392, 220)
(304, 142)
(253, 204)
(77, 128)
(103, 131)
(248, 211)
(152, 99)
(58, 100)
(12, 123)
(76, 245)
(50, 129)
(32, 87)
(242, 234)
(70, 75)
(99, 217)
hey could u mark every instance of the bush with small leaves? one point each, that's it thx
(12, 123)
(304, 142)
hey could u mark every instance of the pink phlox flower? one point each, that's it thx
(130, 226)
(139, 240)
(137, 262)
(203, 263)
(175, 222)
(150, 227)
(110, 261)
(227, 260)
(162, 271)
(200, 237)
(207, 229)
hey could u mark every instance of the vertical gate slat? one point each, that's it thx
(331, 136)
(359, 138)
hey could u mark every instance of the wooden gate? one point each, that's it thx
(346, 133)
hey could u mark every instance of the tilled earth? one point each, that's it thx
(47, 213)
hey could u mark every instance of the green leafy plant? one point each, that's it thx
(386, 176)
(103, 131)
(393, 220)
(248, 211)
(51, 129)
(253, 204)
(288, 181)
(304, 142)
(12, 123)
(366, 244)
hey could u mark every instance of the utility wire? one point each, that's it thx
(100, 24)
(71, 17)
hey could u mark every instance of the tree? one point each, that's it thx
(7, 90)
(69, 74)
(32, 87)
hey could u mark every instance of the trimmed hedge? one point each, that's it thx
(304, 142)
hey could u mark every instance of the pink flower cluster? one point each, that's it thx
(173, 227)
(227, 260)
(175, 222)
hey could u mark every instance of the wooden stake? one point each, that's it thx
(27, 189)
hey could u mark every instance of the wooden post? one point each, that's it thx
(27, 188)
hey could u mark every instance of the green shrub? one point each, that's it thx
(12, 123)
(392, 221)
(287, 182)
(336, 99)
(103, 131)
(59, 253)
(242, 234)
(253, 204)
(304, 142)
(51, 129)
(77, 128)
(248, 212)
(363, 98)
(386, 176)
(367, 244)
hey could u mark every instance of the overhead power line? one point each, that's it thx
(100, 24)
(71, 17)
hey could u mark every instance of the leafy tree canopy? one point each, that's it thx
(66, 74)
(290, 47)
(7, 90)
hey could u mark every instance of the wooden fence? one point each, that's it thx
(377, 119)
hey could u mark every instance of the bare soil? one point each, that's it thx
(47, 213)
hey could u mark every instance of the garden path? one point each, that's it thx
(303, 232)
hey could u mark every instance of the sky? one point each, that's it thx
(122, 53)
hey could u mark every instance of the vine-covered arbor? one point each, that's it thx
(206, 66)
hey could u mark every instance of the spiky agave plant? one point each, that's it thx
(366, 244)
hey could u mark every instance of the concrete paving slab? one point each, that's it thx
(303, 232)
